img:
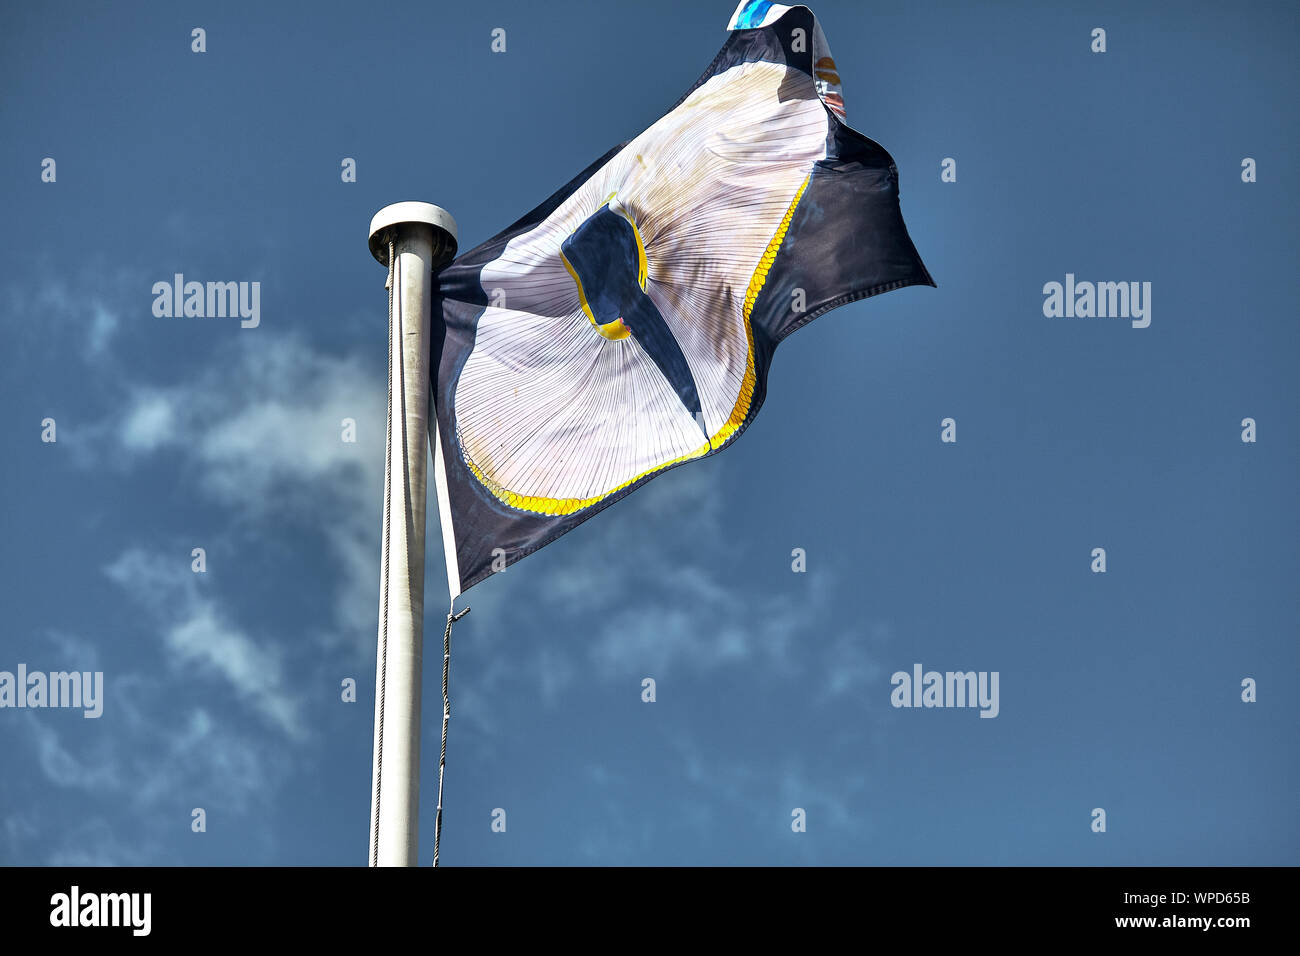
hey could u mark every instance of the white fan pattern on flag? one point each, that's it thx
(551, 415)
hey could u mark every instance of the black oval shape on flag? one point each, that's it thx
(605, 256)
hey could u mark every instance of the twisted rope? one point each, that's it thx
(446, 716)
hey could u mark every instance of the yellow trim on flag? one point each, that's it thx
(751, 296)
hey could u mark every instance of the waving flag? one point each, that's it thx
(626, 325)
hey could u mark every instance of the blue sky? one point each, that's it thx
(1118, 690)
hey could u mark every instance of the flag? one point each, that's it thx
(625, 326)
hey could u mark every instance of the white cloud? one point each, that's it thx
(65, 769)
(666, 604)
(150, 423)
(196, 636)
(75, 653)
(689, 620)
(95, 842)
(254, 671)
(263, 431)
(266, 419)
(155, 752)
(20, 829)
(257, 437)
(103, 326)
(769, 794)
(85, 306)
(668, 608)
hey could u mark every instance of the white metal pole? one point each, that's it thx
(421, 237)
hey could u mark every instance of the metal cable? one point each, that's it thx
(383, 606)
(446, 716)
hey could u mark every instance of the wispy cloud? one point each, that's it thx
(151, 758)
(266, 419)
(83, 306)
(257, 437)
(62, 767)
(263, 434)
(196, 637)
(647, 607)
(95, 842)
(739, 787)
(147, 750)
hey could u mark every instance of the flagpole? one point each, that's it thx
(411, 239)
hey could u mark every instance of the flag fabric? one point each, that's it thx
(625, 326)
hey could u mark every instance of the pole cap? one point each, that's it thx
(419, 213)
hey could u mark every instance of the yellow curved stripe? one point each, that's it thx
(582, 295)
(751, 295)
(567, 506)
(642, 269)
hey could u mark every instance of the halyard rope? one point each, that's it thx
(446, 716)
